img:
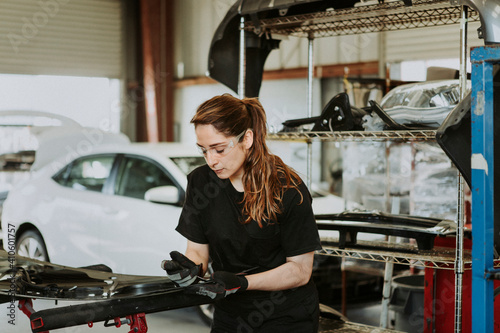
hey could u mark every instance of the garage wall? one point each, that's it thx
(293, 51)
(441, 42)
(194, 27)
(61, 37)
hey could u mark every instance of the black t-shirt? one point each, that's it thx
(212, 214)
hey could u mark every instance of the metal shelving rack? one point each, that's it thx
(368, 17)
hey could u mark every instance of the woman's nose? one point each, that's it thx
(212, 160)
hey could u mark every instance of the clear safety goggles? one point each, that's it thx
(222, 149)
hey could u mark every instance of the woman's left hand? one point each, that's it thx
(220, 285)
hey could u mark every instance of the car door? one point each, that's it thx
(143, 232)
(73, 209)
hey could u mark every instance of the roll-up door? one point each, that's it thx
(441, 42)
(61, 37)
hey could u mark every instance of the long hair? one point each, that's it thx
(266, 176)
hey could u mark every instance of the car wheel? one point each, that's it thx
(30, 244)
(206, 313)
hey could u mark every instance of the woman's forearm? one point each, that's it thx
(294, 273)
(199, 254)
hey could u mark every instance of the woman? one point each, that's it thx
(251, 215)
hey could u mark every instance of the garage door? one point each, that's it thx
(61, 37)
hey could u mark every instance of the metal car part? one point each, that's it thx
(349, 224)
(488, 12)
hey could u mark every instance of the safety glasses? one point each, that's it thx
(222, 149)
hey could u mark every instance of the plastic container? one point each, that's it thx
(407, 302)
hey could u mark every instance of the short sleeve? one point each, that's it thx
(299, 232)
(190, 222)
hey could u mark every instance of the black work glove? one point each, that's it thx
(181, 270)
(220, 285)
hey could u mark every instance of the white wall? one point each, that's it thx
(194, 26)
(187, 101)
(293, 51)
(439, 42)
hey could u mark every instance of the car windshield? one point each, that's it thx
(188, 163)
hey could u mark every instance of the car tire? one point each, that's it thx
(30, 244)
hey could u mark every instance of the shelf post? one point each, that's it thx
(482, 170)
(310, 74)
(459, 262)
(242, 60)
(310, 78)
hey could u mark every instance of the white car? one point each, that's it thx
(115, 204)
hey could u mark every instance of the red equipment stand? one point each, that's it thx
(439, 296)
(137, 323)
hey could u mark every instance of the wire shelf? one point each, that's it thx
(418, 135)
(439, 258)
(434, 259)
(388, 16)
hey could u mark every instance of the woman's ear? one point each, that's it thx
(248, 139)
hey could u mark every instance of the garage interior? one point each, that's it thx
(397, 232)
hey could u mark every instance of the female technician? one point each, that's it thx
(251, 214)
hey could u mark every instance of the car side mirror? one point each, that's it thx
(163, 194)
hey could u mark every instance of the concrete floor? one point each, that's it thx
(365, 313)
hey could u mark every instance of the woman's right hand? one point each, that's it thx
(181, 270)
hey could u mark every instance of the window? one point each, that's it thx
(90, 173)
(90, 101)
(61, 176)
(136, 176)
